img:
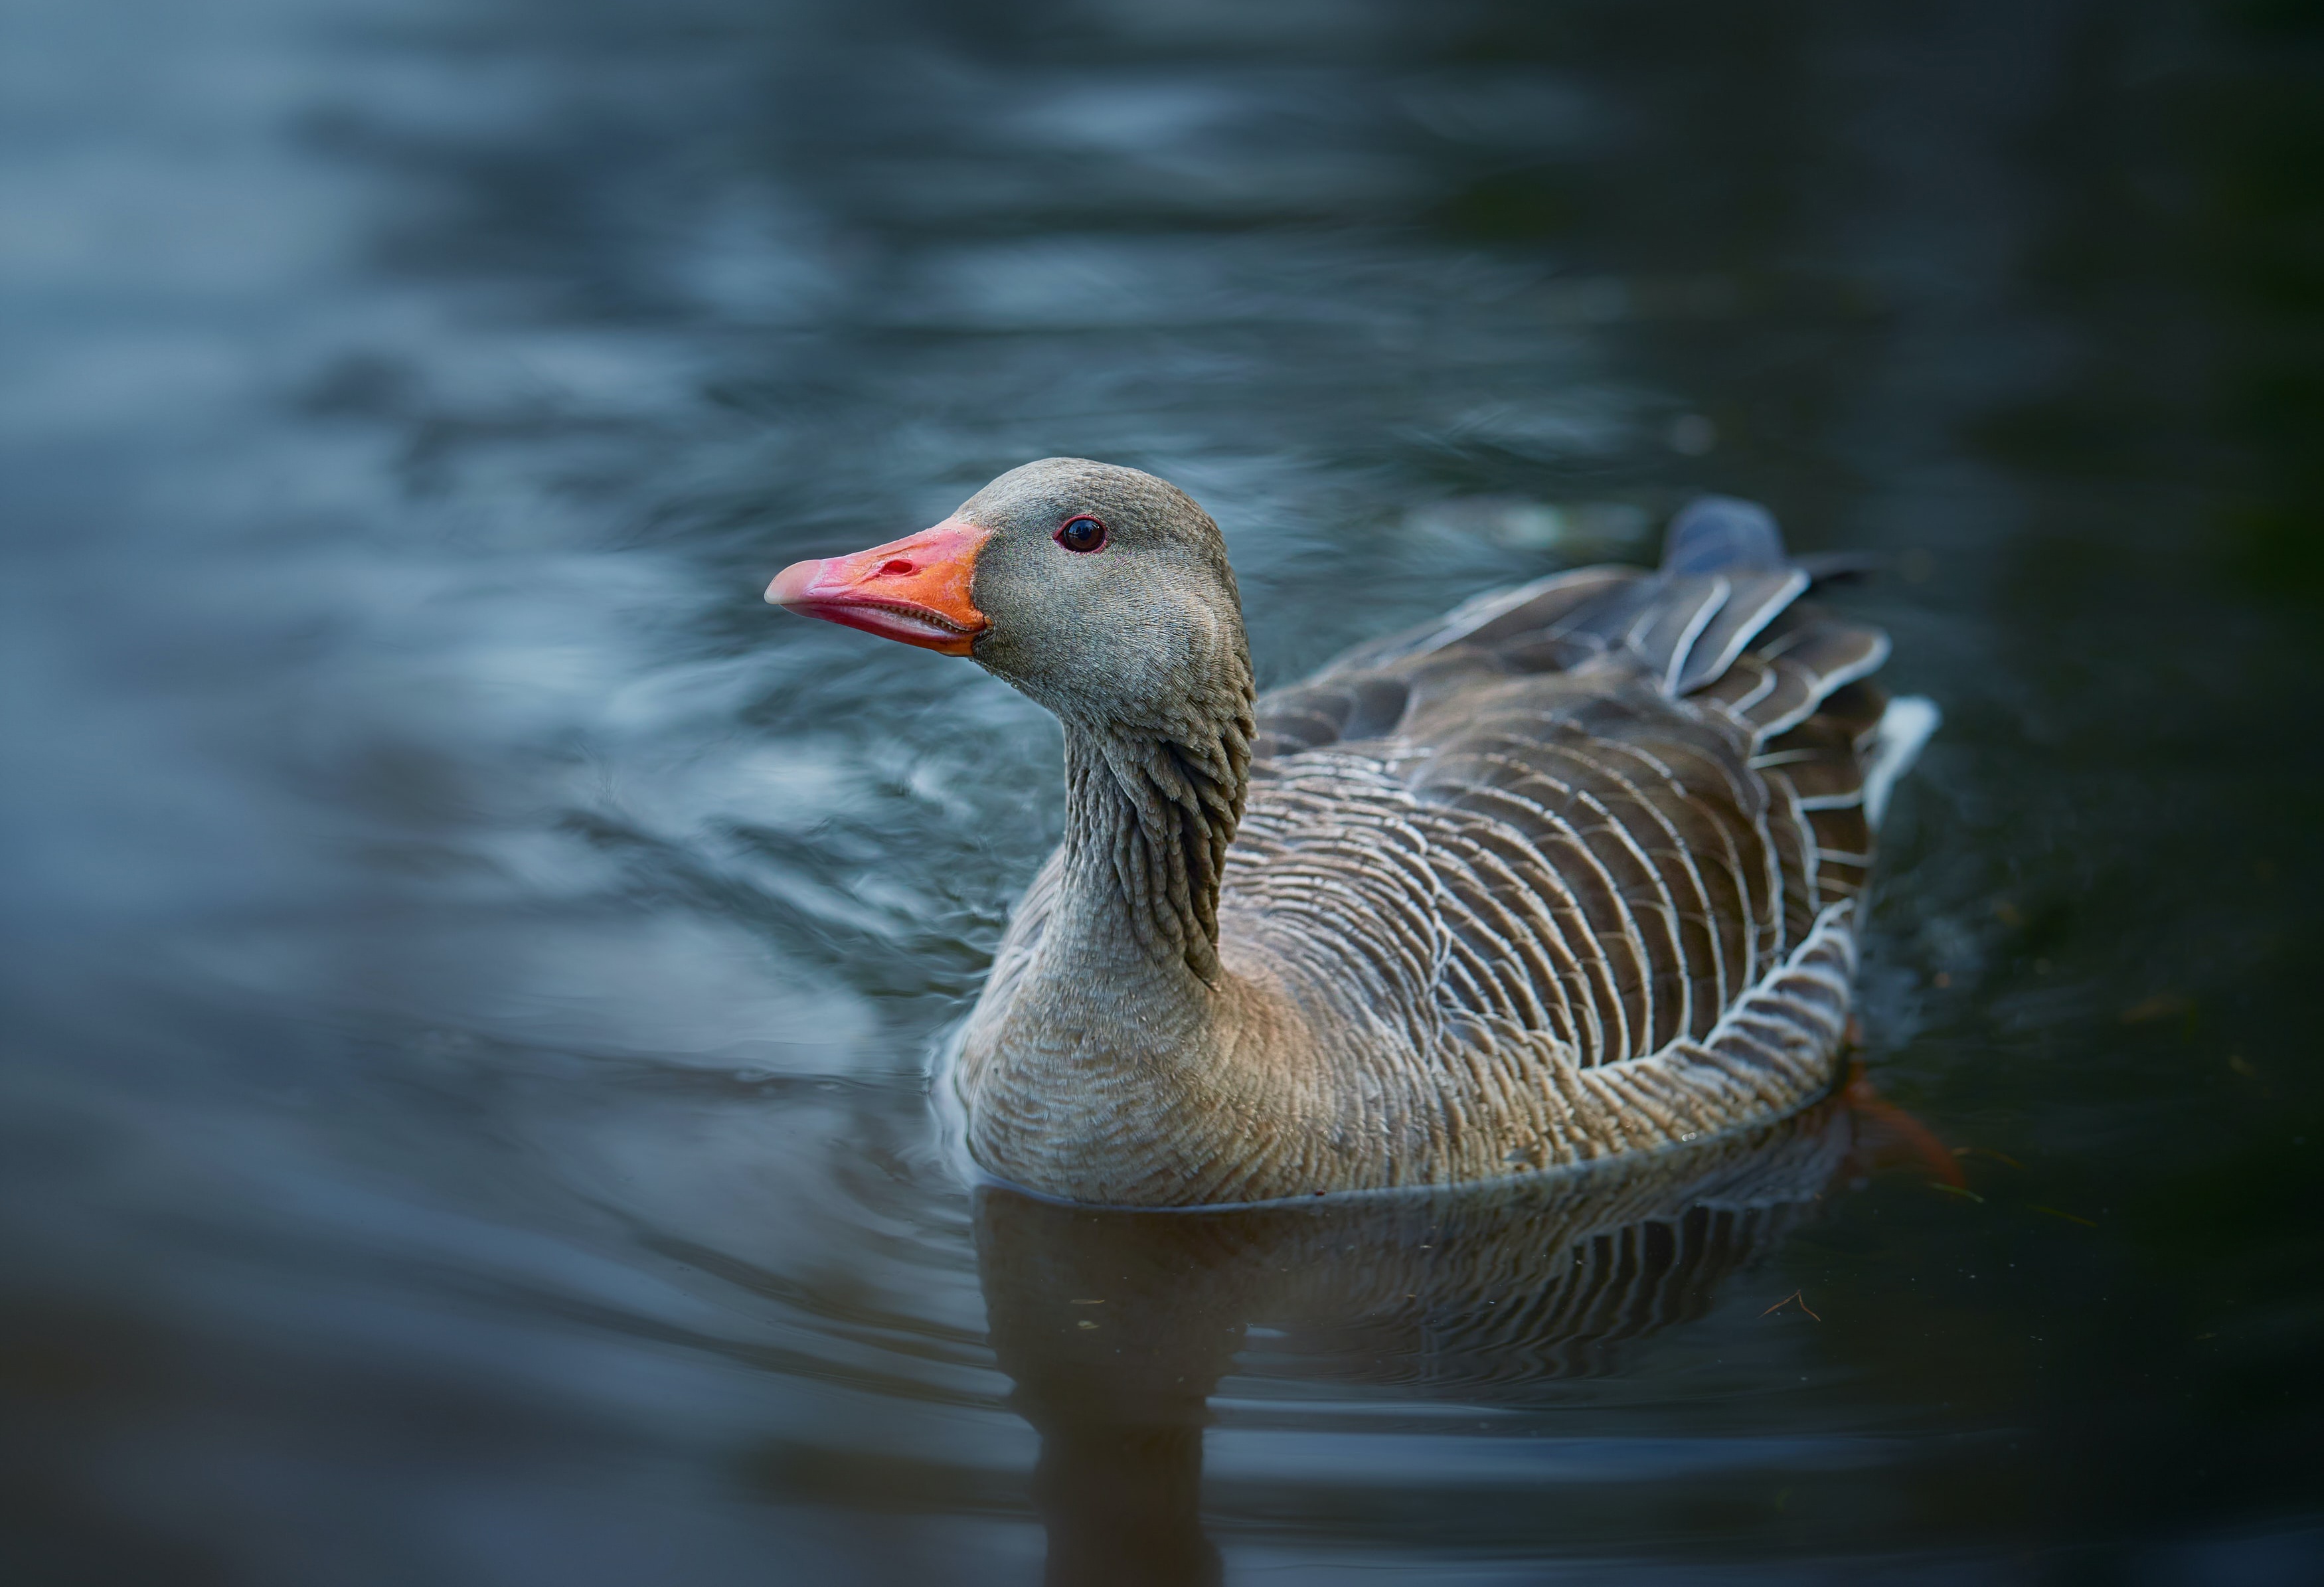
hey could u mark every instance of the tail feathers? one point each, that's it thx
(1725, 577)
(1724, 584)
(1723, 534)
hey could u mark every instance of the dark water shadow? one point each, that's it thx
(1117, 1327)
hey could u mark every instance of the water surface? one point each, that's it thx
(472, 970)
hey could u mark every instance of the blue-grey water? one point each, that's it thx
(472, 970)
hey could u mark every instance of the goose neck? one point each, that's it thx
(1149, 816)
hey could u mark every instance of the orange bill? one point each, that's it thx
(915, 589)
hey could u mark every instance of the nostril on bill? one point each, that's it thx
(897, 565)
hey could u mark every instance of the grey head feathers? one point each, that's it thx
(1143, 633)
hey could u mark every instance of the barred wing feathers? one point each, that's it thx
(1610, 823)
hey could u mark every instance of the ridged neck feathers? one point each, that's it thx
(1150, 810)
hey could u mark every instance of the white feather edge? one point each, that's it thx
(1905, 728)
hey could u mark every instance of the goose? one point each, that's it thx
(1571, 873)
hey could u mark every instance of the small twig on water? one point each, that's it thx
(1796, 1294)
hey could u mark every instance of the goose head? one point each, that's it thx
(1102, 592)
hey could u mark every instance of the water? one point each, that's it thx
(472, 969)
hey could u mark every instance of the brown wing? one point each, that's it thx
(1603, 806)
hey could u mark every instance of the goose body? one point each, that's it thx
(1570, 873)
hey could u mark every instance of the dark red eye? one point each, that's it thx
(1082, 534)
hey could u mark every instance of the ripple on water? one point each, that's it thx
(473, 970)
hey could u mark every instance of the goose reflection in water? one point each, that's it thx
(1115, 1327)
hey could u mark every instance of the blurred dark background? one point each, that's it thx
(470, 971)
